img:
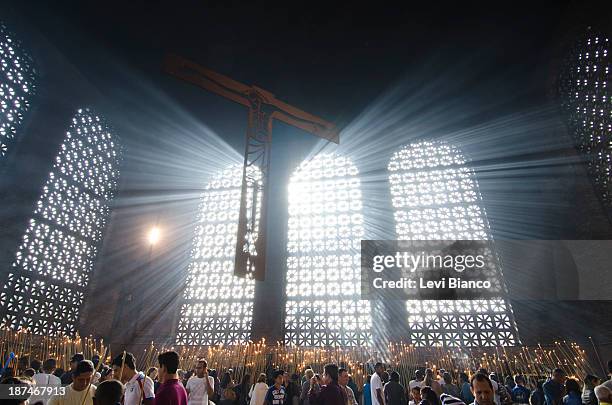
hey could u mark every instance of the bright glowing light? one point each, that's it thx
(323, 263)
(587, 101)
(436, 197)
(17, 78)
(52, 268)
(217, 306)
(153, 235)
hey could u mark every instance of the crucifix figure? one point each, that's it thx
(263, 108)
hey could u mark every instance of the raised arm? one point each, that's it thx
(210, 388)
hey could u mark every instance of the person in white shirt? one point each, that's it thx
(419, 375)
(44, 379)
(376, 386)
(259, 390)
(81, 391)
(441, 377)
(200, 386)
(95, 359)
(138, 387)
(603, 392)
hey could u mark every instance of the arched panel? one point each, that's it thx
(48, 279)
(436, 197)
(323, 266)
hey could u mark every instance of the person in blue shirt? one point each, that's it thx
(367, 395)
(537, 396)
(466, 389)
(588, 392)
(553, 388)
(276, 393)
(573, 393)
(520, 393)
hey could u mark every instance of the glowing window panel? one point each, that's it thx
(323, 261)
(217, 306)
(17, 84)
(47, 281)
(586, 98)
(436, 197)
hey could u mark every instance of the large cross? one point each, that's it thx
(263, 108)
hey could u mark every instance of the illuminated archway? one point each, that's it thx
(48, 279)
(586, 98)
(323, 267)
(217, 306)
(436, 197)
(17, 85)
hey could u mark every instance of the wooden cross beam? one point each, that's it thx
(263, 108)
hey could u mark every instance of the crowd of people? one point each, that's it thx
(88, 382)
(482, 388)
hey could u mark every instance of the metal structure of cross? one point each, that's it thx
(263, 109)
